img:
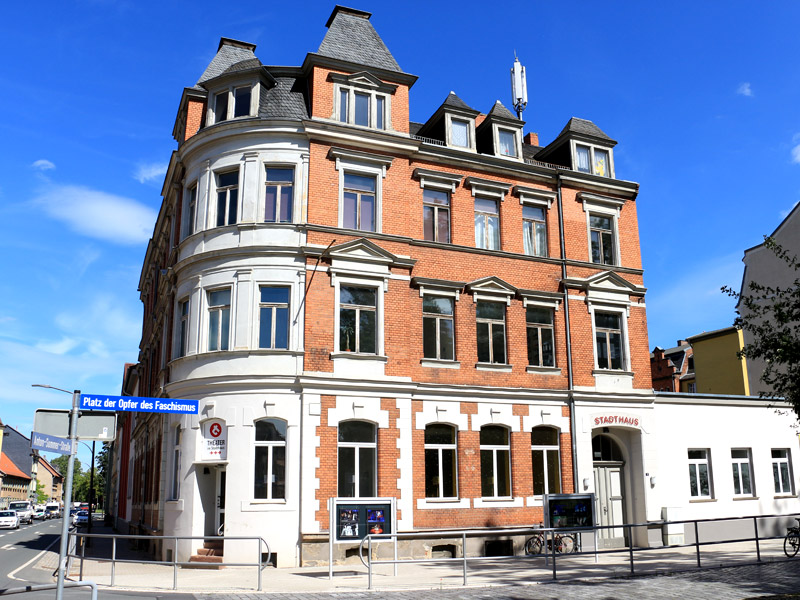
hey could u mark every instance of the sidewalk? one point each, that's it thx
(525, 575)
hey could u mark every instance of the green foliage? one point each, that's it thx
(41, 496)
(771, 315)
(60, 463)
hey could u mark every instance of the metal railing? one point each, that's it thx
(51, 586)
(550, 553)
(175, 563)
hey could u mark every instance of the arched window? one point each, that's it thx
(546, 456)
(358, 471)
(440, 461)
(495, 462)
(269, 482)
(605, 449)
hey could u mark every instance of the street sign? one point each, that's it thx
(95, 426)
(134, 404)
(51, 443)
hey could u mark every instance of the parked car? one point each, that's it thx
(82, 518)
(40, 514)
(9, 519)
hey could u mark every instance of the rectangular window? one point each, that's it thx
(219, 319)
(437, 327)
(189, 214)
(176, 466)
(227, 197)
(273, 318)
(459, 133)
(700, 474)
(782, 471)
(440, 461)
(534, 230)
(269, 481)
(545, 453)
(742, 469)
(541, 350)
(358, 320)
(357, 468)
(601, 230)
(583, 159)
(495, 462)
(358, 202)
(487, 224)
(380, 112)
(241, 101)
(436, 215)
(363, 108)
(508, 142)
(491, 331)
(183, 339)
(344, 95)
(221, 107)
(602, 166)
(279, 196)
(608, 337)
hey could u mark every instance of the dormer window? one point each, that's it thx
(507, 143)
(364, 108)
(460, 133)
(589, 159)
(221, 107)
(241, 101)
(233, 103)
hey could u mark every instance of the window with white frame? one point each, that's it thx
(460, 133)
(602, 235)
(608, 340)
(495, 450)
(358, 319)
(441, 479)
(279, 196)
(219, 319)
(273, 318)
(546, 456)
(362, 107)
(436, 215)
(175, 491)
(269, 478)
(233, 103)
(742, 472)
(241, 101)
(541, 349)
(487, 224)
(438, 337)
(782, 471)
(183, 327)
(357, 453)
(221, 107)
(590, 159)
(358, 202)
(507, 142)
(227, 197)
(700, 474)
(189, 214)
(491, 332)
(534, 230)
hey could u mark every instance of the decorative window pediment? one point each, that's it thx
(540, 298)
(487, 187)
(363, 80)
(529, 195)
(429, 178)
(491, 289)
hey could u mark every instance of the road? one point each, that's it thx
(20, 550)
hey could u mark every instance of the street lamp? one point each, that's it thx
(73, 435)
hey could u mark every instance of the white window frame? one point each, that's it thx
(606, 207)
(231, 92)
(273, 305)
(491, 322)
(551, 326)
(736, 463)
(439, 317)
(545, 449)
(209, 309)
(270, 445)
(439, 448)
(496, 129)
(546, 251)
(381, 286)
(183, 327)
(486, 216)
(696, 463)
(351, 91)
(227, 189)
(776, 470)
(364, 164)
(357, 458)
(574, 149)
(495, 448)
(189, 217)
(623, 324)
(277, 221)
(448, 125)
(175, 487)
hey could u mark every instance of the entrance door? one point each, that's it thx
(220, 506)
(609, 500)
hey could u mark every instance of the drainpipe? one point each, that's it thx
(570, 382)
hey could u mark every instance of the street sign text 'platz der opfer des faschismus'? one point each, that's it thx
(135, 404)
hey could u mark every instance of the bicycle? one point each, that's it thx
(792, 542)
(564, 543)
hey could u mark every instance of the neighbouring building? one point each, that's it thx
(672, 369)
(445, 314)
(51, 480)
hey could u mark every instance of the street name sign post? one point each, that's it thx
(92, 426)
(135, 404)
(52, 443)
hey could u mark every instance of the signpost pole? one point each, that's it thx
(62, 554)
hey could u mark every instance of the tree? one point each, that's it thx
(41, 495)
(771, 315)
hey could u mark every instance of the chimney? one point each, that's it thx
(532, 139)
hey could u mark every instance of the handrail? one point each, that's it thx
(51, 586)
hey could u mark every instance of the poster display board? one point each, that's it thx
(569, 511)
(354, 519)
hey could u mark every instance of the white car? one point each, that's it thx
(9, 519)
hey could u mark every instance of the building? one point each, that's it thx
(50, 479)
(444, 314)
(15, 467)
(672, 369)
(762, 266)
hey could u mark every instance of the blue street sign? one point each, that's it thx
(50, 443)
(134, 404)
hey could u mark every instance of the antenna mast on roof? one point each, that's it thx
(519, 87)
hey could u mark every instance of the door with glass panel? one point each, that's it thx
(609, 486)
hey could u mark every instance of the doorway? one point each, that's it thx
(609, 485)
(219, 512)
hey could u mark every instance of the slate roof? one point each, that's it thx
(283, 100)
(244, 65)
(500, 111)
(352, 38)
(227, 56)
(456, 102)
(582, 126)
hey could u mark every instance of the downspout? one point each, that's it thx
(570, 382)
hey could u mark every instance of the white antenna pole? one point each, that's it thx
(519, 87)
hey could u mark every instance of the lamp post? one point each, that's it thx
(73, 435)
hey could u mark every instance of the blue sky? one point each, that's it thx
(703, 98)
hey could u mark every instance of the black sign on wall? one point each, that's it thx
(354, 521)
(569, 511)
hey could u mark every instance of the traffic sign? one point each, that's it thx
(135, 404)
(97, 426)
(51, 443)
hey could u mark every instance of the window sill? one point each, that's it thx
(701, 500)
(739, 498)
(784, 496)
(612, 372)
(440, 364)
(543, 370)
(501, 367)
(442, 503)
(174, 505)
(505, 502)
(358, 356)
